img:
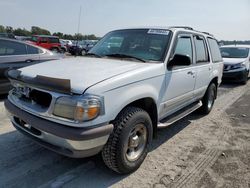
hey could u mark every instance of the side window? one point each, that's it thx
(43, 40)
(53, 40)
(12, 48)
(184, 47)
(215, 51)
(201, 50)
(32, 50)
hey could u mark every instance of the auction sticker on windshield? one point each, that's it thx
(158, 31)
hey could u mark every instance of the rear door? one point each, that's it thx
(203, 66)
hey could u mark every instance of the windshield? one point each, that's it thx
(234, 52)
(145, 44)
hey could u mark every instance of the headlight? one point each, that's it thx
(238, 65)
(78, 109)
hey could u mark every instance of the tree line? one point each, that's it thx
(223, 42)
(35, 30)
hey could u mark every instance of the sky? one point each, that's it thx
(226, 19)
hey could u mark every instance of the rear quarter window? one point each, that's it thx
(32, 50)
(215, 51)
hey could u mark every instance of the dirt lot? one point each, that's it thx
(197, 151)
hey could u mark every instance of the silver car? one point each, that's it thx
(15, 54)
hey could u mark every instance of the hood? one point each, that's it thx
(232, 61)
(82, 72)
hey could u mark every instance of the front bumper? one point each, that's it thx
(235, 75)
(69, 141)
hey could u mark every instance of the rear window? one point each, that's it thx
(53, 40)
(12, 48)
(201, 49)
(215, 51)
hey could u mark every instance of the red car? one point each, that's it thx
(49, 42)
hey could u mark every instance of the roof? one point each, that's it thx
(173, 28)
(48, 36)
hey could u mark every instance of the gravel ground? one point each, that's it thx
(197, 151)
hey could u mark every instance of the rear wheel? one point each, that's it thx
(208, 99)
(56, 50)
(128, 145)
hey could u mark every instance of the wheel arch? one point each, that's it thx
(215, 81)
(149, 105)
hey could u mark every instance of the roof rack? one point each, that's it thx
(184, 27)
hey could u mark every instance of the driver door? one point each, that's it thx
(179, 78)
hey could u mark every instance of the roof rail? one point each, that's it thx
(184, 27)
(207, 33)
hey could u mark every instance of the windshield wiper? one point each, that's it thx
(125, 56)
(93, 55)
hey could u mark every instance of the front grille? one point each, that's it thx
(33, 96)
(41, 98)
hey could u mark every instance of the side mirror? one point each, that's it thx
(179, 60)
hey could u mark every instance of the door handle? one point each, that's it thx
(210, 68)
(190, 72)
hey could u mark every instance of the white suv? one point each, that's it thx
(132, 82)
(236, 62)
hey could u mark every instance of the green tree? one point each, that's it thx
(21, 32)
(2, 29)
(9, 29)
(39, 31)
(59, 34)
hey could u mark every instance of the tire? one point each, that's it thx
(132, 132)
(245, 79)
(63, 50)
(208, 99)
(83, 52)
(56, 50)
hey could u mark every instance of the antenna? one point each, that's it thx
(78, 26)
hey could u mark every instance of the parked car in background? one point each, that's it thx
(114, 99)
(49, 42)
(65, 44)
(15, 54)
(23, 38)
(64, 47)
(7, 35)
(236, 62)
(82, 47)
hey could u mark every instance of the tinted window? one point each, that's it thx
(215, 51)
(234, 52)
(184, 47)
(146, 44)
(43, 40)
(12, 48)
(201, 50)
(32, 50)
(53, 40)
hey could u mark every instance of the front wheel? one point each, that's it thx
(83, 52)
(245, 78)
(128, 145)
(208, 99)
